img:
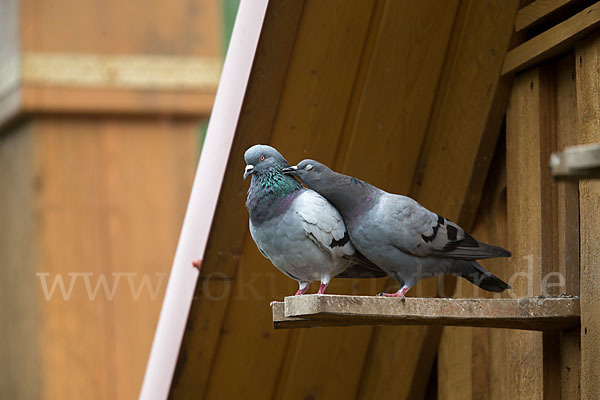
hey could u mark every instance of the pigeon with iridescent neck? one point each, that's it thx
(299, 231)
(402, 237)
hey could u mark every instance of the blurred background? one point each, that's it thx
(103, 108)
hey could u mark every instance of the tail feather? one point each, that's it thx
(483, 278)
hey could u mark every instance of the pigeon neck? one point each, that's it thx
(351, 196)
(270, 195)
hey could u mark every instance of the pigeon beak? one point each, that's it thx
(290, 170)
(248, 170)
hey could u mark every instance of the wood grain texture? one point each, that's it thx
(538, 313)
(19, 320)
(588, 127)
(567, 192)
(531, 135)
(466, 355)
(537, 11)
(181, 28)
(98, 183)
(85, 212)
(556, 40)
(111, 27)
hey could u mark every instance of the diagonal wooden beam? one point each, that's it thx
(453, 164)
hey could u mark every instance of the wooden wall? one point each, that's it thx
(430, 102)
(387, 116)
(100, 125)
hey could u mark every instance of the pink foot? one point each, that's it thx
(197, 263)
(400, 293)
(302, 290)
(322, 288)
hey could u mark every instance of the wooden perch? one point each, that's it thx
(576, 162)
(533, 313)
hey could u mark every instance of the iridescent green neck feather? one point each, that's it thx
(271, 194)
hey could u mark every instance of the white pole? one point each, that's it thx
(203, 200)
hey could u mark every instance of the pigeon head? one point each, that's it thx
(310, 172)
(349, 195)
(262, 159)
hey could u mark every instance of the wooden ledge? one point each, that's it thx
(534, 313)
(576, 162)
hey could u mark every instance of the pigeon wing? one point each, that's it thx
(425, 233)
(323, 224)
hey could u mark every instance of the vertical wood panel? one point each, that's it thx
(588, 124)
(568, 222)
(110, 202)
(472, 362)
(531, 119)
(19, 324)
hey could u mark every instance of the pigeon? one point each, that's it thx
(398, 234)
(296, 228)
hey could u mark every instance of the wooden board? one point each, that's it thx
(19, 321)
(465, 355)
(79, 201)
(97, 182)
(179, 30)
(576, 162)
(523, 313)
(537, 11)
(568, 222)
(556, 40)
(531, 130)
(588, 127)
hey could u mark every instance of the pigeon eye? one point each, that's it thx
(262, 157)
(308, 167)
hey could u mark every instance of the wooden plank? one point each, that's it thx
(535, 12)
(464, 355)
(19, 286)
(159, 30)
(182, 28)
(92, 198)
(568, 223)
(227, 242)
(539, 313)
(553, 42)
(588, 126)
(576, 162)
(530, 132)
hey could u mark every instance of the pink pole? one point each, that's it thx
(203, 200)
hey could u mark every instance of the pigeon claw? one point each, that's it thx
(397, 294)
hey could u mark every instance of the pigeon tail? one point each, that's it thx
(481, 277)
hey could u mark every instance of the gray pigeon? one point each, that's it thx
(399, 235)
(299, 231)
